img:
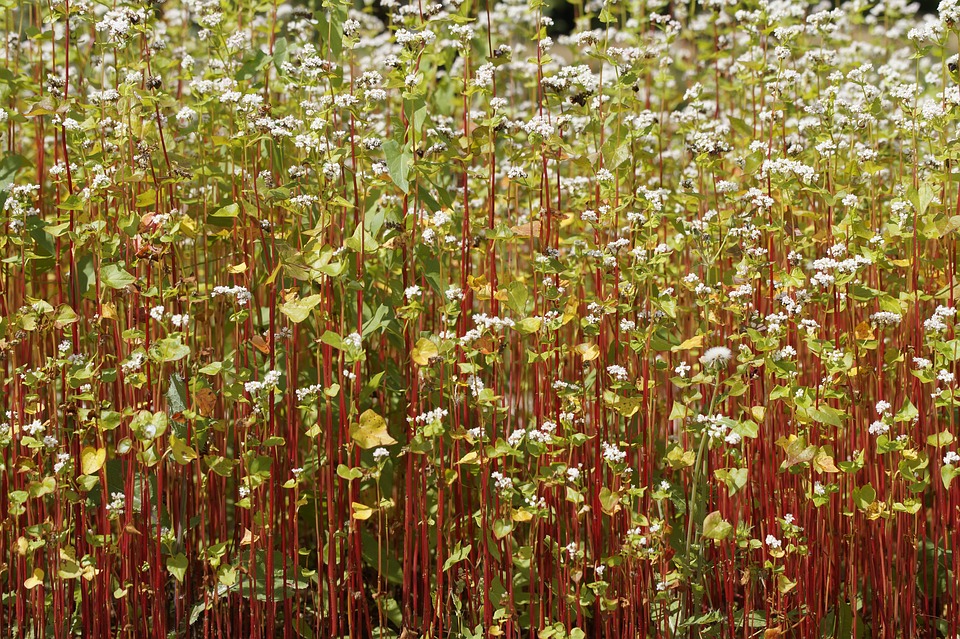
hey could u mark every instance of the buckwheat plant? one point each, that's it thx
(381, 319)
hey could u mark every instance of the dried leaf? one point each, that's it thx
(260, 344)
(864, 331)
(530, 229)
(206, 401)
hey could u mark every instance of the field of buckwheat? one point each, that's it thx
(382, 320)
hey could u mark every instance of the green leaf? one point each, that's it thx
(115, 277)
(230, 210)
(459, 554)
(398, 164)
(177, 565)
(609, 501)
(941, 439)
(345, 472)
(176, 395)
(502, 528)
(279, 52)
(734, 478)
(864, 496)
(169, 349)
(517, 296)
(948, 473)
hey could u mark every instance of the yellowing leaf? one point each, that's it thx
(588, 352)
(299, 310)
(424, 351)
(35, 580)
(182, 453)
(371, 431)
(470, 458)
(693, 342)
(361, 511)
(716, 527)
(758, 412)
(92, 459)
(237, 268)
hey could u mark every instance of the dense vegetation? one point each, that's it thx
(412, 321)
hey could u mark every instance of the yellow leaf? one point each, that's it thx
(905, 262)
(521, 515)
(35, 580)
(588, 352)
(108, 311)
(758, 412)
(424, 351)
(693, 342)
(92, 459)
(238, 268)
(371, 431)
(361, 511)
(249, 537)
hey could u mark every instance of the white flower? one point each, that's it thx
(951, 458)
(34, 428)
(412, 291)
(612, 453)
(618, 372)
(879, 428)
(883, 407)
(354, 340)
(380, 454)
(773, 542)
(157, 313)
